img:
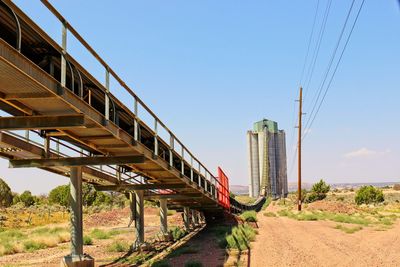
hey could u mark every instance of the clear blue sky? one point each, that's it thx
(210, 69)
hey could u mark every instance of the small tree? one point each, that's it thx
(88, 194)
(318, 191)
(368, 194)
(60, 195)
(27, 198)
(6, 196)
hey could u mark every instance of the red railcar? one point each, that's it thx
(223, 189)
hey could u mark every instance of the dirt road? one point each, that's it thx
(287, 242)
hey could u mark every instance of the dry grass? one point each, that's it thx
(245, 199)
(15, 241)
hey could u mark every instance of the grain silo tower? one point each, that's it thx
(267, 160)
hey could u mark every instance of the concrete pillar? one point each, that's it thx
(186, 215)
(196, 218)
(163, 216)
(139, 219)
(76, 258)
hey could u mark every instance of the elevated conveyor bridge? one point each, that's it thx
(60, 118)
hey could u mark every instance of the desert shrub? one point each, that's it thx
(266, 203)
(31, 245)
(232, 195)
(100, 234)
(6, 197)
(269, 214)
(249, 216)
(193, 263)
(118, 246)
(60, 195)
(27, 198)
(241, 237)
(87, 240)
(318, 192)
(102, 199)
(396, 187)
(348, 230)
(177, 233)
(369, 194)
(89, 194)
(340, 199)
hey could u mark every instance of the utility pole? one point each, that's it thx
(299, 152)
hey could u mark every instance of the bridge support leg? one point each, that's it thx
(139, 218)
(186, 215)
(163, 217)
(132, 207)
(196, 220)
(194, 223)
(77, 258)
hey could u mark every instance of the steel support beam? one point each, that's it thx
(186, 215)
(139, 220)
(76, 161)
(163, 216)
(76, 258)
(42, 122)
(194, 218)
(132, 207)
(76, 212)
(128, 187)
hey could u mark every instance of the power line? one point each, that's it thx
(309, 43)
(337, 65)
(319, 91)
(317, 47)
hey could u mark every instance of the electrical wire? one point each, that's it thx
(321, 34)
(319, 91)
(336, 67)
(309, 43)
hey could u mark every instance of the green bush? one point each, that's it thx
(27, 198)
(100, 234)
(369, 194)
(102, 199)
(87, 240)
(33, 245)
(241, 237)
(60, 195)
(266, 203)
(318, 192)
(6, 197)
(177, 233)
(118, 246)
(249, 216)
(89, 194)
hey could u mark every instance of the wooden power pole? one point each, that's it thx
(299, 151)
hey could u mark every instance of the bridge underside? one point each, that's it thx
(38, 102)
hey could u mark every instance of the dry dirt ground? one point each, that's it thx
(286, 242)
(108, 220)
